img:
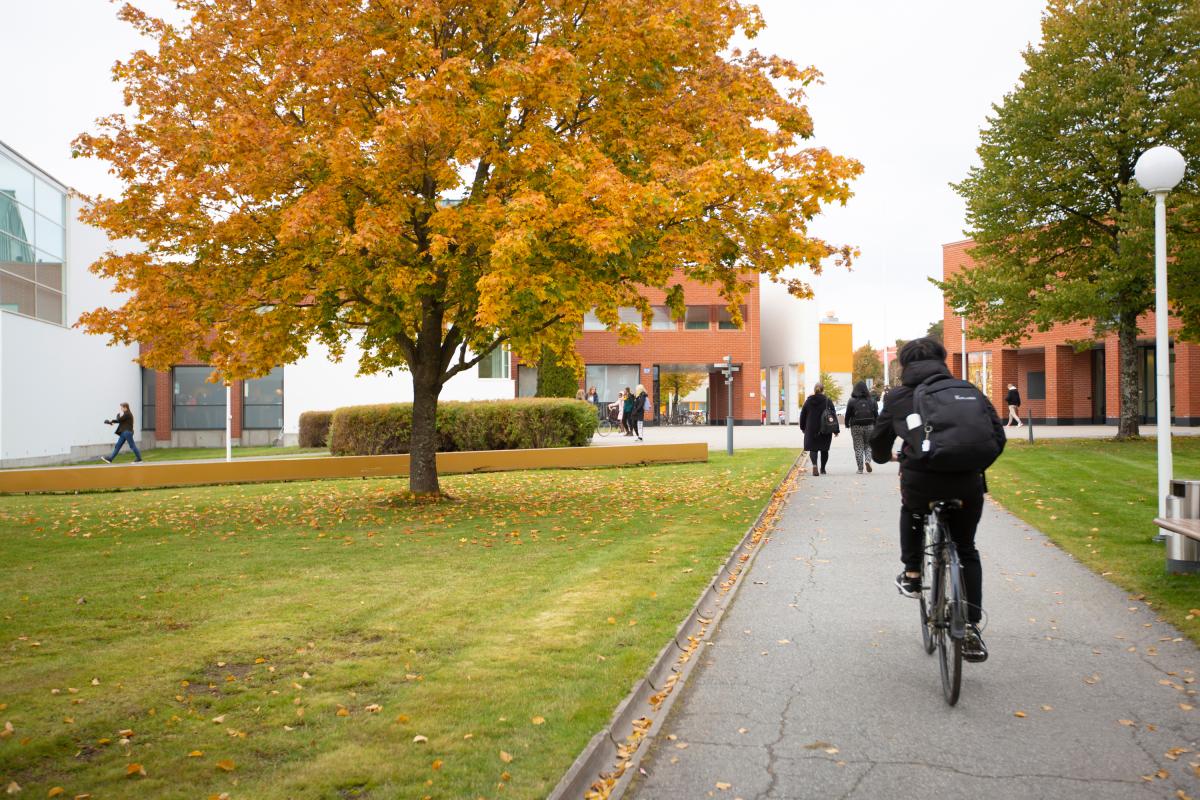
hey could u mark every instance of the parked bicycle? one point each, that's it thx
(608, 423)
(943, 600)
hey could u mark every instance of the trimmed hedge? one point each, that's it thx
(314, 428)
(484, 425)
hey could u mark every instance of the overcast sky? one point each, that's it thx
(907, 88)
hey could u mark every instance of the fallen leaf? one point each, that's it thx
(225, 765)
(724, 787)
(538, 720)
(1047, 708)
(13, 788)
(135, 769)
(1128, 723)
(218, 720)
(374, 708)
(437, 763)
(419, 739)
(196, 754)
(1019, 714)
(1186, 706)
(56, 791)
(505, 757)
(342, 711)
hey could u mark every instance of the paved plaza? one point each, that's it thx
(816, 686)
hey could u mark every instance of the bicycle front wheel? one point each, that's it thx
(951, 624)
(604, 428)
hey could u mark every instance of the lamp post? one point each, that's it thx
(963, 320)
(727, 369)
(228, 422)
(1158, 171)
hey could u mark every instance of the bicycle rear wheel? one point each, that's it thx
(605, 427)
(951, 624)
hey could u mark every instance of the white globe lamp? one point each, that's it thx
(1158, 171)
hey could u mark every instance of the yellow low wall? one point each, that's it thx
(158, 475)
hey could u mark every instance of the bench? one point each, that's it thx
(1186, 527)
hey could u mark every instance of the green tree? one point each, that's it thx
(867, 364)
(1063, 232)
(833, 390)
(555, 379)
(680, 384)
(433, 179)
(937, 330)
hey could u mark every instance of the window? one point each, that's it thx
(32, 243)
(263, 407)
(696, 318)
(197, 404)
(1036, 384)
(662, 319)
(591, 322)
(495, 364)
(630, 316)
(611, 379)
(725, 321)
(149, 398)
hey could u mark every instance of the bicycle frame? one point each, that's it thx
(944, 618)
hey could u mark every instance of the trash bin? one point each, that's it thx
(1183, 552)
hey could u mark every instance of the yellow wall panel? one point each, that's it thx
(837, 347)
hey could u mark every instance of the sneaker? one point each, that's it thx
(908, 586)
(974, 650)
(137, 461)
(860, 470)
(106, 459)
(823, 472)
(868, 465)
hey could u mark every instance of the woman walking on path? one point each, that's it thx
(640, 403)
(627, 411)
(861, 413)
(1013, 398)
(124, 423)
(815, 420)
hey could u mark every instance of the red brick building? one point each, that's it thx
(703, 338)
(1058, 385)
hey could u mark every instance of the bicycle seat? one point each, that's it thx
(942, 505)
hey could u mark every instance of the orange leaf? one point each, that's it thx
(505, 757)
(135, 769)
(226, 765)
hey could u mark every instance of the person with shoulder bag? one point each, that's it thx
(861, 413)
(818, 420)
(950, 434)
(641, 404)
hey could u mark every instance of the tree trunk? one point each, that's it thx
(1127, 336)
(422, 465)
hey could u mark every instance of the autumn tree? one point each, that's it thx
(867, 364)
(433, 179)
(937, 331)
(1062, 231)
(680, 384)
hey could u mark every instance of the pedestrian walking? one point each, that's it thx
(124, 423)
(818, 420)
(861, 413)
(641, 404)
(1013, 398)
(627, 411)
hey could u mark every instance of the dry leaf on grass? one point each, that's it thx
(506, 757)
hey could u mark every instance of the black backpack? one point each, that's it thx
(955, 434)
(829, 420)
(864, 410)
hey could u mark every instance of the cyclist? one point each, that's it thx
(921, 359)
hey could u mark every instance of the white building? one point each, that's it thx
(57, 384)
(790, 349)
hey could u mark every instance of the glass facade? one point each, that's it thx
(197, 404)
(149, 398)
(610, 379)
(495, 364)
(32, 243)
(263, 408)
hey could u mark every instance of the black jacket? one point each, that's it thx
(1013, 398)
(899, 405)
(859, 412)
(810, 422)
(124, 422)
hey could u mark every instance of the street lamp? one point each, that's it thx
(1158, 171)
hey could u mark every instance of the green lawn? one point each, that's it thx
(335, 640)
(1097, 499)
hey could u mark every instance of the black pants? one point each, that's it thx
(823, 455)
(916, 493)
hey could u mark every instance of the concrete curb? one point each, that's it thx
(607, 766)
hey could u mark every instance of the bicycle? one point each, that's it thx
(943, 600)
(608, 424)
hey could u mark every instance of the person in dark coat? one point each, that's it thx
(815, 442)
(124, 423)
(921, 359)
(1013, 399)
(861, 413)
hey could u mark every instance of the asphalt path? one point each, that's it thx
(816, 685)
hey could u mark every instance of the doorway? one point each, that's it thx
(1099, 388)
